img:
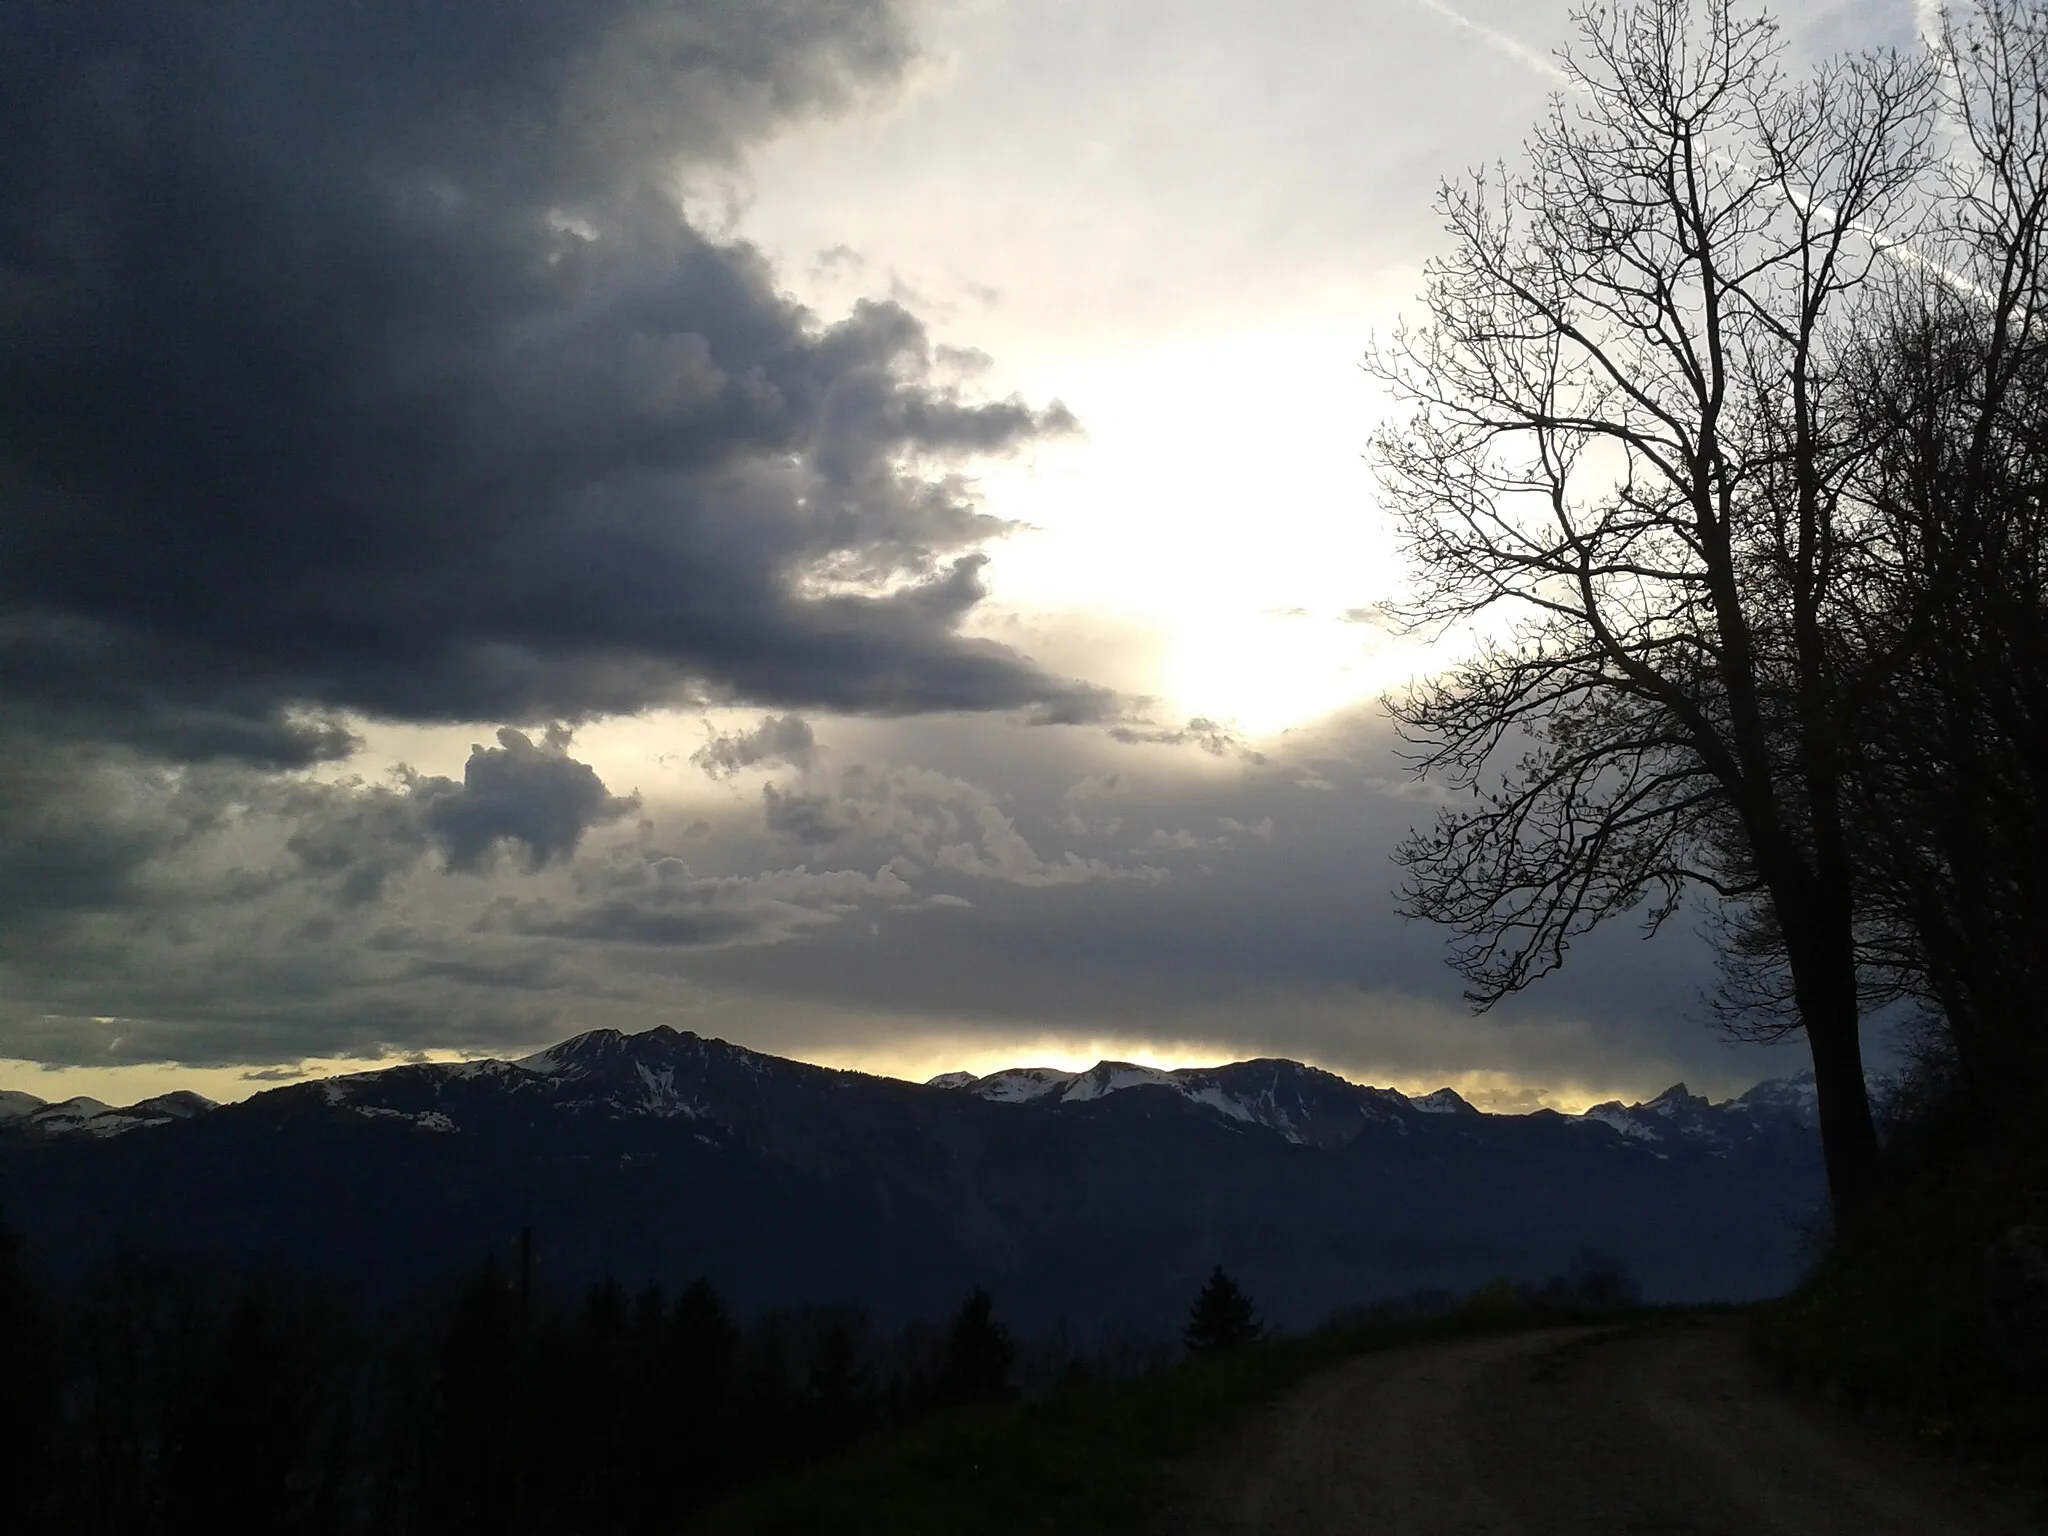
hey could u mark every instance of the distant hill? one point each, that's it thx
(1101, 1196)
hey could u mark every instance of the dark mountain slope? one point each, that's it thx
(663, 1156)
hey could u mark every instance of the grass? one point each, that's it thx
(1108, 1457)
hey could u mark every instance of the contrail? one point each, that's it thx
(1927, 19)
(1541, 63)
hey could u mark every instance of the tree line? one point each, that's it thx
(168, 1398)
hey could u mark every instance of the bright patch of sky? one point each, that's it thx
(1184, 221)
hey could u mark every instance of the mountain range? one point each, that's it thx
(1100, 1196)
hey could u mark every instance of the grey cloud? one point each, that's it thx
(1077, 815)
(535, 796)
(1213, 737)
(936, 820)
(1374, 617)
(358, 837)
(621, 922)
(660, 902)
(816, 820)
(998, 851)
(1181, 840)
(778, 739)
(1230, 831)
(67, 839)
(1283, 943)
(967, 362)
(355, 359)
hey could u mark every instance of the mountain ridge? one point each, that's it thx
(664, 1156)
(1303, 1104)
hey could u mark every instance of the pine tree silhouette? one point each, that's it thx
(235, 1434)
(979, 1352)
(27, 1409)
(1222, 1316)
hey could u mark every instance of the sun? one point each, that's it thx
(1235, 524)
(1264, 671)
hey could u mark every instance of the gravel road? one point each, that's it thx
(1667, 1430)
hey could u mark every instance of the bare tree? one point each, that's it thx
(1627, 465)
(1949, 797)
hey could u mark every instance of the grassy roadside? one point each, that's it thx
(1099, 1458)
(1894, 1323)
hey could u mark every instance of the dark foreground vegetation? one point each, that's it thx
(154, 1399)
(1930, 1310)
(1111, 1456)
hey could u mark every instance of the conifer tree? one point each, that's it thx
(26, 1407)
(1222, 1316)
(979, 1352)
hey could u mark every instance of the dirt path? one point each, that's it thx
(1666, 1431)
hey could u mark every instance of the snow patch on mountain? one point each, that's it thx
(1021, 1085)
(1107, 1077)
(1445, 1101)
(1309, 1106)
(1235, 1109)
(1616, 1114)
(89, 1117)
(661, 1096)
(426, 1120)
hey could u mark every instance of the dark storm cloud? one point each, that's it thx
(658, 901)
(72, 835)
(355, 838)
(535, 796)
(354, 356)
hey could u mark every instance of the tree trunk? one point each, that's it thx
(1824, 982)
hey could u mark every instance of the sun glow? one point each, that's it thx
(1233, 521)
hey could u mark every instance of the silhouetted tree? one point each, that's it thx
(838, 1395)
(1632, 435)
(235, 1430)
(978, 1353)
(472, 1474)
(27, 1402)
(1222, 1316)
(1946, 798)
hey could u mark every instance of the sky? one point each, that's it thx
(842, 526)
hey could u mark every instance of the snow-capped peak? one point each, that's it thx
(26, 1112)
(1794, 1097)
(1303, 1104)
(1107, 1077)
(1445, 1101)
(576, 1055)
(1021, 1085)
